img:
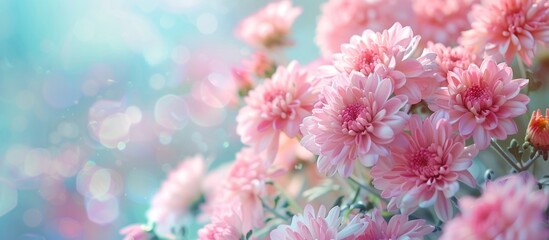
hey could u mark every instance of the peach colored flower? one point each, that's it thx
(356, 119)
(178, 192)
(442, 20)
(269, 26)
(341, 19)
(319, 226)
(278, 105)
(425, 167)
(503, 28)
(537, 133)
(506, 210)
(482, 102)
(391, 54)
(398, 227)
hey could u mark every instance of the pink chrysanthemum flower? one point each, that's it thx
(537, 133)
(278, 105)
(449, 58)
(503, 28)
(398, 227)
(441, 20)
(341, 19)
(269, 26)
(224, 226)
(390, 53)
(356, 119)
(507, 210)
(425, 167)
(482, 102)
(178, 192)
(243, 188)
(319, 226)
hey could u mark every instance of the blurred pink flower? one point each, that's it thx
(442, 20)
(135, 232)
(278, 105)
(260, 64)
(290, 152)
(269, 26)
(449, 58)
(224, 226)
(243, 81)
(213, 190)
(243, 188)
(425, 167)
(482, 102)
(503, 28)
(390, 54)
(398, 228)
(319, 226)
(356, 118)
(178, 192)
(537, 133)
(507, 210)
(341, 19)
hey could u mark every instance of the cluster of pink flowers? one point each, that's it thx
(345, 128)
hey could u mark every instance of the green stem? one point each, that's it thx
(269, 209)
(531, 161)
(504, 155)
(368, 189)
(291, 201)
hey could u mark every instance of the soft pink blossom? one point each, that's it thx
(269, 26)
(260, 64)
(277, 106)
(449, 58)
(224, 226)
(319, 226)
(135, 232)
(537, 133)
(243, 81)
(503, 28)
(356, 119)
(243, 188)
(508, 210)
(391, 54)
(178, 192)
(341, 19)
(441, 20)
(482, 102)
(398, 227)
(425, 167)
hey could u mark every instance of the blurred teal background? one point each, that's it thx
(100, 99)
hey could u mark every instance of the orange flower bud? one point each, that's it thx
(537, 133)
